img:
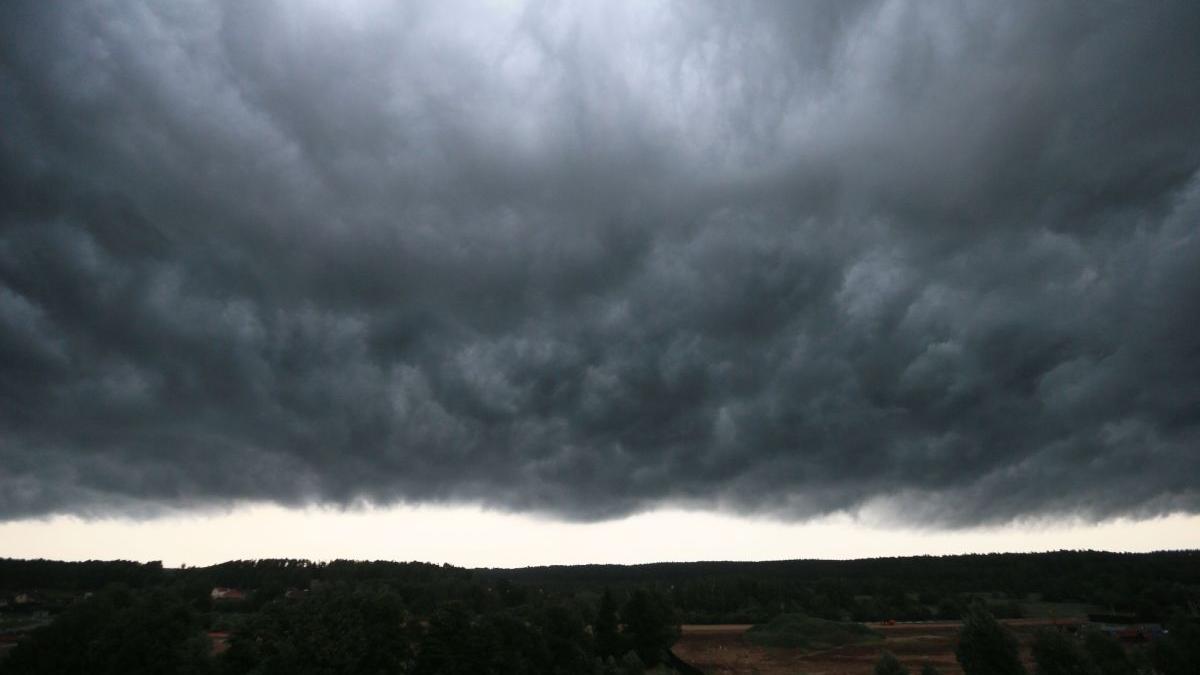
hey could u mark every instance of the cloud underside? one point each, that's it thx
(938, 260)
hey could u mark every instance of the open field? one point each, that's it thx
(723, 650)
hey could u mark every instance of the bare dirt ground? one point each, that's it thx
(722, 650)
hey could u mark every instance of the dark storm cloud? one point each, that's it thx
(932, 259)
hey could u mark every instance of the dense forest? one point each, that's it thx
(297, 617)
(1152, 586)
(300, 616)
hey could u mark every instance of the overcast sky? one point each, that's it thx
(934, 264)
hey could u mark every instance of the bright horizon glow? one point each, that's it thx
(474, 537)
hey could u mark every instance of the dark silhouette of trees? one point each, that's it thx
(1056, 653)
(606, 627)
(1106, 656)
(1179, 653)
(1152, 585)
(115, 633)
(450, 645)
(985, 647)
(569, 647)
(650, 627)
(335, 631)
(90, 575)
(374, 617)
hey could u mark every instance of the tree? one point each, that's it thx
(929, 669)
(985, 647)
(1179, 653)
(1057, 654)
(889, 665)
(330, 631)
(1107, 656)
(606, 626)
(566, 640)
(446, 649)
(650, 626)
(117, 631)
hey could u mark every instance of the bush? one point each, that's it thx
(806, 632)
(1106, 655)
(889, 665)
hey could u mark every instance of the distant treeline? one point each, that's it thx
(1151, 586)
(300, 616)
(24, 575)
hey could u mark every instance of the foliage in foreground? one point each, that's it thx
(117, 632)
(888, 664)
(985, 647)
(988, 648)
(351, 629)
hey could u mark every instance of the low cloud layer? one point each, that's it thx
(588, 259)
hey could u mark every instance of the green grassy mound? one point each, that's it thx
(806, 632)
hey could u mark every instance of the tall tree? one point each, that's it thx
(650, 626)
(606, 627)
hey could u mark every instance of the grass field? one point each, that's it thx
(726, 650)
